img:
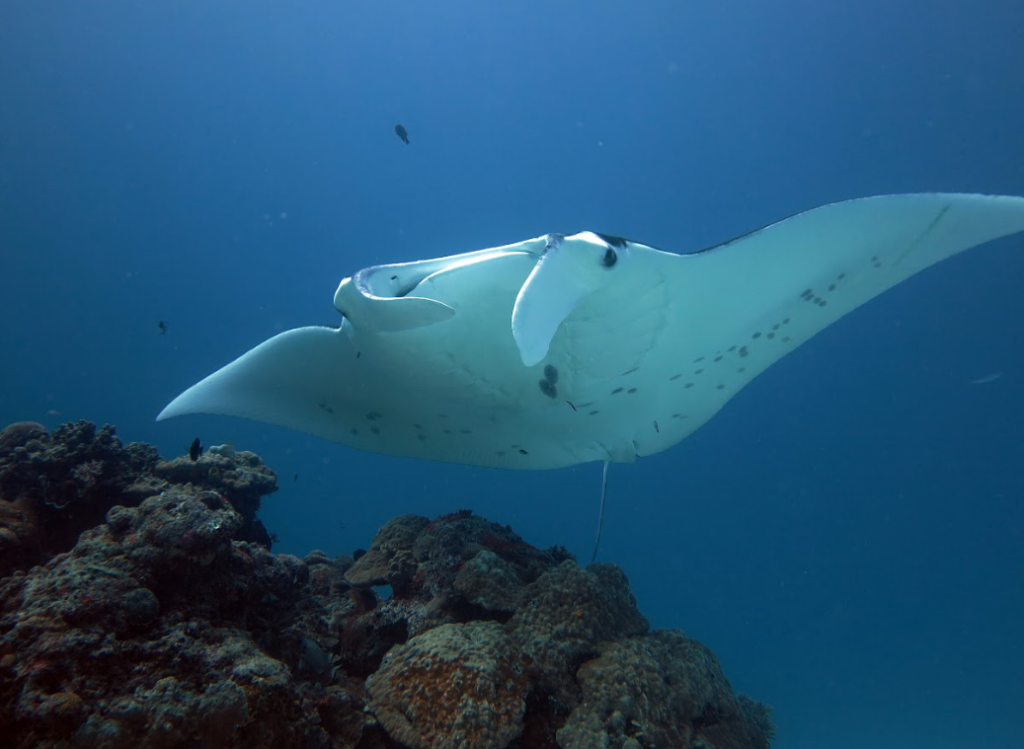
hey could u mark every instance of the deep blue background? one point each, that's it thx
(846, 534)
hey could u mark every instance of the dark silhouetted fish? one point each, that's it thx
(163, 327)
(402, 133)
(314, 658)
(195, 449)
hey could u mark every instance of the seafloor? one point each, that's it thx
(141, 606)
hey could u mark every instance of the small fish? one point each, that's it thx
(986, 379)
(163, 327)
(195, 449)
(402, 133)
(53, 412)
(313, 658)
(296, 478)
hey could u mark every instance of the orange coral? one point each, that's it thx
(457, 685)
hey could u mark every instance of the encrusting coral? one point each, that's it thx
(170, 623)
(453, 685)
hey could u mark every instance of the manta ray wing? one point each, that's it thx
(727, 313)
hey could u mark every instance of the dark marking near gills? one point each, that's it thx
(613, 241)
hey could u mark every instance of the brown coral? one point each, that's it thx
(20, 433)
(240, 477)
(490, 582)
(389, 560)
(457, 685)
(659, 690)
(566, 614)
(159, 628)
(54, 486)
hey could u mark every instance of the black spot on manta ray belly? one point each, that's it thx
(547, 385)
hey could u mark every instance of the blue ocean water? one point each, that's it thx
(846, 535)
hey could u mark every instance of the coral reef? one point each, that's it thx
(54, 486)
(166, 621)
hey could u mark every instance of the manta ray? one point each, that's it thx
(566, 349)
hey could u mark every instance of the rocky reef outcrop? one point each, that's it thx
(54, 486)
(140, 605)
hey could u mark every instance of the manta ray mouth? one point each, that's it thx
(388, 281)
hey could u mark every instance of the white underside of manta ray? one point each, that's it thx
(567, 349)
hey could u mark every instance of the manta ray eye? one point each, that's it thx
(610, 258)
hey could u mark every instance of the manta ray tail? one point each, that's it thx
(600, 514)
